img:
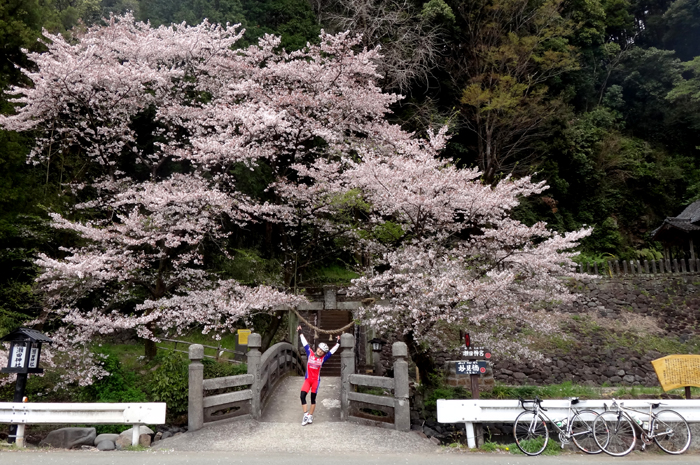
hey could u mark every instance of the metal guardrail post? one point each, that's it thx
(347, 368)
(254, 355)
(195, 395)
(402, 408)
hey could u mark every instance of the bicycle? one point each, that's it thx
(532, 435)
(618, 428)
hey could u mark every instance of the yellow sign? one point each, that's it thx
(676, 371)
(243, 336)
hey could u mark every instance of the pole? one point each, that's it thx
(687, 392)
(478, 428)
(20, 387)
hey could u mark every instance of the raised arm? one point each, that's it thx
(304, 343)
(336, 346)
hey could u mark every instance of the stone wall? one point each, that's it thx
(630, 307)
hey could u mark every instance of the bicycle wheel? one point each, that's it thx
(617, 430)
(671, 432)
(582, 432)
(530, 433)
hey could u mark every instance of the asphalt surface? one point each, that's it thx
(361, 457)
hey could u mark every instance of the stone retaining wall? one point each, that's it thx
(668, 306)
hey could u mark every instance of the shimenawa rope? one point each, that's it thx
(322, 331)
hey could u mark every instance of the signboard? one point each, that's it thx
(243, 336)
(476, 353)
(19, 353)
(469, 367)
(33, 357)
(676, 371)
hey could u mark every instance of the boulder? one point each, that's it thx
(68, 438)
(142, 430)
(145, 440)
(123, 441)
(106, 437)
(106, 445)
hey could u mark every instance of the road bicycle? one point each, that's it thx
(615, 430)
(532, 435)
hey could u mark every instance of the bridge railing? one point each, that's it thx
(251, 391)
(275, 364)
(358, 406)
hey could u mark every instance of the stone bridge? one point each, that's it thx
(269, 392)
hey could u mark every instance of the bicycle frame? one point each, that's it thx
(627, 412)
(564, 434)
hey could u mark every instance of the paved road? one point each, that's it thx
(368, 458)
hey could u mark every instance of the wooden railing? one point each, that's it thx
(218, 349)
(637, 267)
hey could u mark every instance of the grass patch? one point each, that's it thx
(553, 447)
(552, 391)
(489, 446)
(137, 448)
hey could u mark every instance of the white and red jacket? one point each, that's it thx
(314, 364)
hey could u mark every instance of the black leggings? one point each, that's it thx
(303, 397)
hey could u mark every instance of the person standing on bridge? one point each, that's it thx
(313, 374)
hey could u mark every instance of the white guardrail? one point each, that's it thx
(470, 411)
(21, 414)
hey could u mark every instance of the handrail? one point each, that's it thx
(276, 362)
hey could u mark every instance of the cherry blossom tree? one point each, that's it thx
(144, 213)
(455, 257)
(163, 117)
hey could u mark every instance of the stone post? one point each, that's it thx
(195, 407)
(347, 368)
(254, 355)
(402, 408)
(330, 297)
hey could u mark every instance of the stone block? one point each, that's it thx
(145, 440)
(69, 438)
(106, 445)
(142, 430)
(106, 437)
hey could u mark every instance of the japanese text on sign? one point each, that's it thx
(476, 352)
(470, 367)
(18, 355)
(675, 371)
(33, 357)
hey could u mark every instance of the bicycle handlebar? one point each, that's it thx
(535, 400)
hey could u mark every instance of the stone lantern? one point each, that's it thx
(377, 345)
(24, 356)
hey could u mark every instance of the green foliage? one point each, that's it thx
(444, 392)
(388, 232)
(552, 391)
(214, 369)
(438, 11)
(335, 273)
(553, 447)
(249, 267)
(169, 383)
(120, 386)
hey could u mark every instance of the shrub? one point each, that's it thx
(169, 383)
